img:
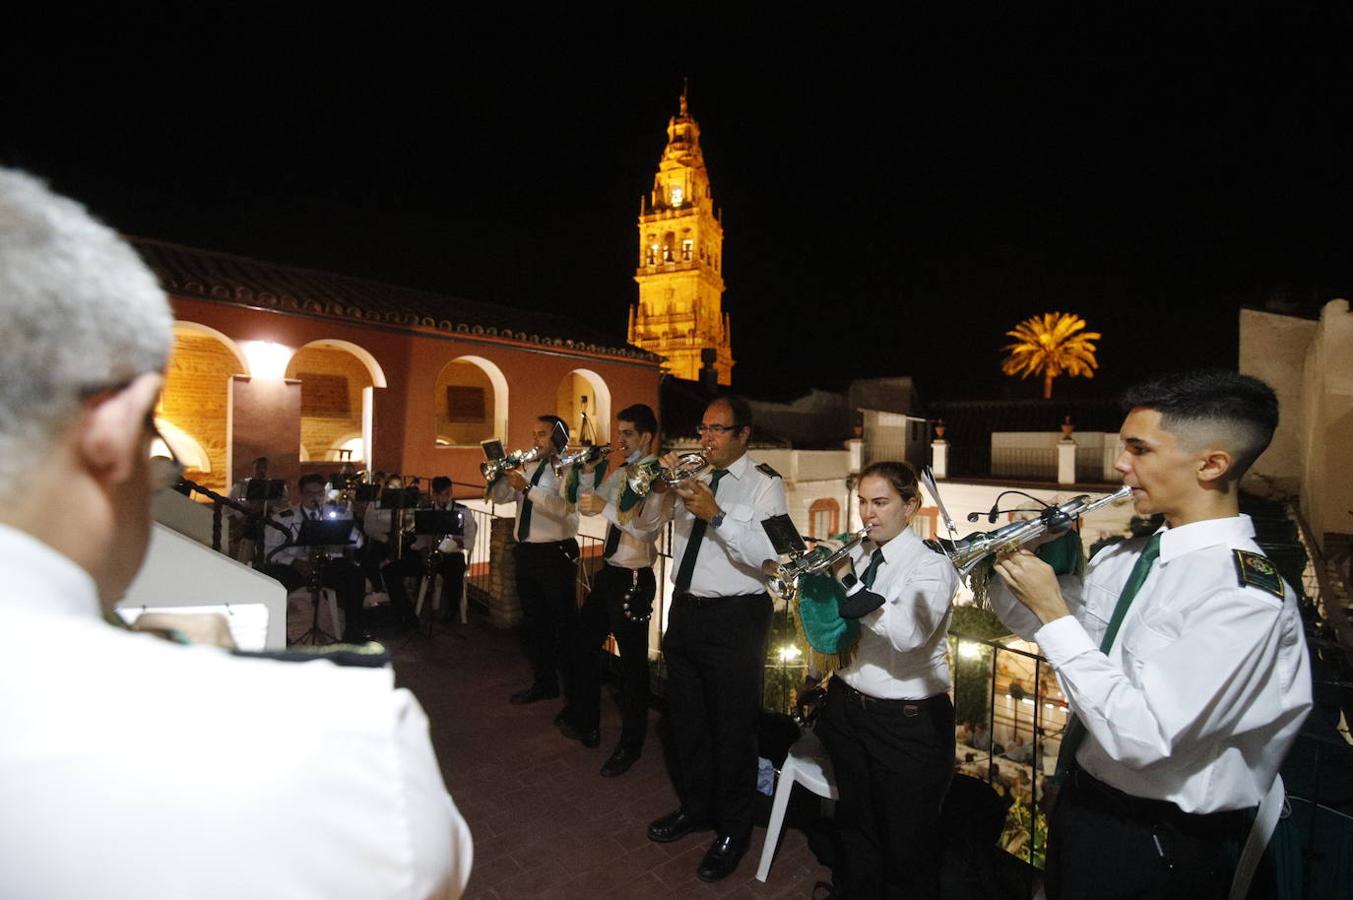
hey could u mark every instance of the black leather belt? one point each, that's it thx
(908, 708)
(703, 602)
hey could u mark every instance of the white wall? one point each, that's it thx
(1327, 426)
(1273, 347)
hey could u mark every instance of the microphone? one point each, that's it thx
(991, 514)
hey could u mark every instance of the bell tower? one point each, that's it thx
(680, 309)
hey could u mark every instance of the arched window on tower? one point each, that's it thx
(687, 247)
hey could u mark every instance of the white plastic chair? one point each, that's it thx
(807, 764)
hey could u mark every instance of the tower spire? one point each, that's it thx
(685, 90)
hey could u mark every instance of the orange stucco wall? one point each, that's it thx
(404, 412)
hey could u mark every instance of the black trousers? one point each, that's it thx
(546, 573)
(893, 761)
(344, 577)
(716, 656)
(602, 614)
(414, 565)
(1105, 843)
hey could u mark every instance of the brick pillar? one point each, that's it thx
(504, 607)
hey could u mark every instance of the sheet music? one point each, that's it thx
(248, 621)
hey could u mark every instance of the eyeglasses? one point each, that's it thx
(716, 429)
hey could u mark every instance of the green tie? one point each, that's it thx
(687, 568)
(1075, 732)
(871, 571)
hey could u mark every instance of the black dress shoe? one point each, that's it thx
(620, 761)
(674, 826)
(589, 739)
(722, 858)
(533, 693)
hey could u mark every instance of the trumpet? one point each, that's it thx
(581, 456)
(782, 579)
(965, 554)
(689, 466)
(493, 469)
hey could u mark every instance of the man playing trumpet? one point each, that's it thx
(546, 558)
(715, 645)
(1181, 655)
(621, 601)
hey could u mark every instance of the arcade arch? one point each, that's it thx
(194, 405)
(583, 401)
(469, 402)
(338, 379)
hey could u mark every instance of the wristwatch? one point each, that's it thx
(717, 520)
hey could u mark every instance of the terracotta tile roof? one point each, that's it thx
(226, 278)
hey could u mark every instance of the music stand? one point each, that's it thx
(317, 535)
(264, 491)
(438, 524)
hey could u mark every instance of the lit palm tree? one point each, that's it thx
(1050, 345)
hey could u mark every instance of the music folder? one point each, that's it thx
(399, 498)
(439, 521)
(265, 489)
(784, 536)
(324, 532)
(493, 449)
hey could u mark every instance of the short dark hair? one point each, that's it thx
(312, 478)
(1213, 396)
(900, 475)
(642, 417)
(553, 421)
(741, 409)
(261, 459)
(441, 483)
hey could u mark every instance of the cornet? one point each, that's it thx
(782, 579)
(583, 455)
(493, 469)
(971, 550)
(689, 467)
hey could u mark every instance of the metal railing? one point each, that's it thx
(1021, 728)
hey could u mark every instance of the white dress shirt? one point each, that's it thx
(1204, 689)
(637, 548)
(903, 651)
(553, 518)
(131, 767)
(291, 519)
(731, 555)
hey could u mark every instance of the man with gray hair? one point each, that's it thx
(132, 766)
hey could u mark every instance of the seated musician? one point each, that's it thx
(447, 557)
(291, 565)
(132, 766)
(380, 525)
(888, 725)
(244, 532)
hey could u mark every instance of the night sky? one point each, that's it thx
(897, 193)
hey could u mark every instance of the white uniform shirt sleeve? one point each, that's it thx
(741, 532)
(914, 609)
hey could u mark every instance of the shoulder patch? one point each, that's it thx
(285, 514)
(1255, 570)
(765, 469)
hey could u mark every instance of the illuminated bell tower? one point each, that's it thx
(680, 310)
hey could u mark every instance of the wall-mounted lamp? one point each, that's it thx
(267, 359)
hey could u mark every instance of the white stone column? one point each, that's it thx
(939, 461)
(1066, 460)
